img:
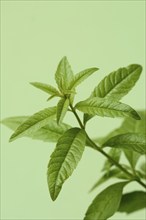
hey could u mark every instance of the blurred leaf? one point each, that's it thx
(108, 175)
(132, 157)
(49, 133)
(132, 202)
(34, 123)
(131, 141)
(115, 154)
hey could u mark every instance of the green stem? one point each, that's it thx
(77, 117)
(95, 146)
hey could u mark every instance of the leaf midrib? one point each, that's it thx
(63, 163)
(87, 106)
(116, 85)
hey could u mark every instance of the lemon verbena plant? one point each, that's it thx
(104, 101)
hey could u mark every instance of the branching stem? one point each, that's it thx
(99, 149)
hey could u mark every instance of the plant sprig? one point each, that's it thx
(47, 125)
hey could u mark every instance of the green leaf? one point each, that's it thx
(131, 141)
(127, 126)
(132, 157)
(115, 154)
(49, 133)
(130, 125)
(106, 176)
(143, 167)
(64, 75)
(14, 122)
(81, 76)
(62, 108)
(108, 108)
(34, 123)
(64, 159)
(106, 203)
(132, 202)
(46, 88)
(51, 97)
(118, 83)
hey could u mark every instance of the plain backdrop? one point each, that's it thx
(35, 35)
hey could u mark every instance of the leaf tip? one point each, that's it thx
(10, 139)
(136, 115)
(31, 83)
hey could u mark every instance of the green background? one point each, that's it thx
(35, 36)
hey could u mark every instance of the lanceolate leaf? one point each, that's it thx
(64, 75)
(118, 83)
(62, 108)
(65, 158)
(34, 123)
(46, 88)
(132, 202)
(106, 203)
(49, 133)
(81, 76)
(108, 108)
(131, 141)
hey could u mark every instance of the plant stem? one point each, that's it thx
(77, 117)
(95, 146)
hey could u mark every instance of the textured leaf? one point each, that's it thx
(106, 203)
(81, 76)
(34, 123)
(131, 141)
(46, 88)
(115, 154)
(65, 158)
(132, 202)
(62, 108)
(118, 83)
(102, 107)
(49, 133)
(64, 75)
